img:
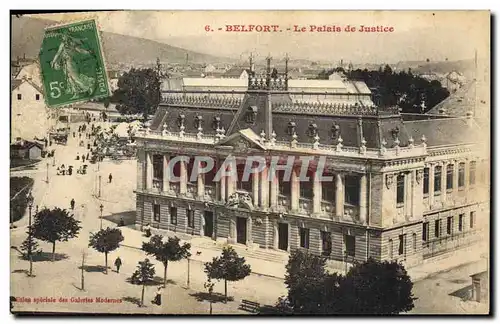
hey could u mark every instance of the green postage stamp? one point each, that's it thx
(72, 64)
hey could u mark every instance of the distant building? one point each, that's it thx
(236, 72)
(480, 287)
(453, 81)
(30, 72)
(29, 115)
(28, 150)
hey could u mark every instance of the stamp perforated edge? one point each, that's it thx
(90, 17)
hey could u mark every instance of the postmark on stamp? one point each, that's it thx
(72, 64)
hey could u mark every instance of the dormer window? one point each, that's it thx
(198, 121)
(216, 122)
(335, 131)
(181, 119)
(291, 128)
(251, 114)
(313, 130)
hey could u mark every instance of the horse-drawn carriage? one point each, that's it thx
(82, 169)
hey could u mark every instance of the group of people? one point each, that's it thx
(61, 170)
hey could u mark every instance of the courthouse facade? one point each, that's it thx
(401, 190)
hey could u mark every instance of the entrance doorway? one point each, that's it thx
(208, 228)
(283, 236)
(241, 230)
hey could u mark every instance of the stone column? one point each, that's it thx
(255, 189)
(466, 175)
(431, 184)
(339, 195)
(230, 181)
(222, 187)
(264, 188)
(316, 193)
(455, 175)
(407, 195)
(149, 170)
(201, 184)
(443, 182)
(295, 190)
(183, 176)
(249, 231)
(274, 190)
(166, 175)
(362, 198)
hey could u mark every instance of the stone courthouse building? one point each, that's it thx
(401, 190)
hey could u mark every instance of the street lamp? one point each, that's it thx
(30, 200)
(101, 208)
(47, 172)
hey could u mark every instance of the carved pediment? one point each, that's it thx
(242, 142)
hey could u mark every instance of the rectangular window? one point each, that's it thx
(190, 218)
(426, 181)
(461, 175)
(472, 172)
(284, 185)
(176, 168)
(449, 176)
(425, 231)
(352, 190)
(414, 241)
(350, 245)
(472, 219)
(157, 166)
(401, 249)
(400, 192)
(460, 222)
(304, 238)
(306, 187)
(328, 188)
(437, 227)
(209, 175)
(243, 183)
(189, 170)
(173, 215)
(437, 178)
(156, 212)
(19, 96)
(449, 225)
(391, 249)
(326, 243)
(37, 96)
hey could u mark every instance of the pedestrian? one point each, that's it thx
(83, 158)
(147, 230)
(122, 222)
(72, 203)
(157, 299)
(110, 178)
(87, 156)
(118, 264)
(79, 135)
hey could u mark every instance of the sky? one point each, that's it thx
(417, 35)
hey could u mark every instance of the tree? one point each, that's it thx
(52, 225)
(143, 275)
(228, 267)
(373, 287)
(138, 92)
(29, 245)
(305, 279)
(105, 241)
(164, 252)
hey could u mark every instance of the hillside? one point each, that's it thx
(27, 34)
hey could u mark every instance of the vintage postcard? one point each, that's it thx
(250, 162)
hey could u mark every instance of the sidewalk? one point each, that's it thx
(210, 249)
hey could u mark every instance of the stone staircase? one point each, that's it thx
(242, 250)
